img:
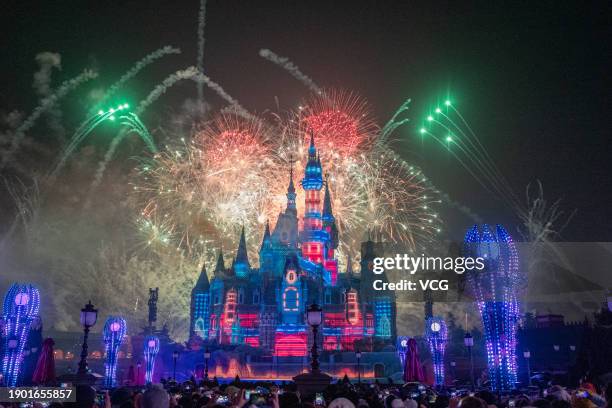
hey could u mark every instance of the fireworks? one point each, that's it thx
(235, 171)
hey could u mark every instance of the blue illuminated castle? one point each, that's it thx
(264, 307)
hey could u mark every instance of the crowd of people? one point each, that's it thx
(343, 394)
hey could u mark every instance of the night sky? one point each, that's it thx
(532, 79)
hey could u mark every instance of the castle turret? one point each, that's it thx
(329, 225)
(291, 195)
(220, 266)
(241, 264)
(200, 306)
(266, 252)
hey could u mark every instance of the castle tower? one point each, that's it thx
(382, 302)
(329, 225)
(200, 306)
(313, 239)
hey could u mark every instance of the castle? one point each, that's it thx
(264, 307)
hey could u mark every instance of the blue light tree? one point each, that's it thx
(114, 331)
(436, 334)
(401, 345)
(21, 307)
(495, 289)
(151, 348)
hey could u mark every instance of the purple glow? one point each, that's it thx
(115, 329)
(495, 289)
(437, 335)
(150, 352)
(21, 307)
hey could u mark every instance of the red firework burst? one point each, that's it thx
(340, 121)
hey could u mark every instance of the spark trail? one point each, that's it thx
(201, 40)
(139, 66)
(448, 127)
(45, 105)
(193, 74)
(290, 67)
(131, 124)
(81, 133)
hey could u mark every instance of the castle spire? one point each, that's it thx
(327, 205)
(312, 145)
(241, 264)
(312, 173)
(349, 265)
(203, 283)
(266, 238)
(241, 254)
(291, 188)
(220, 267)
(291, 205)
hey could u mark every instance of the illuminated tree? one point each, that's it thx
(21, 307)
(114, 330)
(495, 290)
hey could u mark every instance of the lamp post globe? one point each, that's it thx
(175, 355)
(314, 317)
(206, 358)
(527, 355)
(89, 317)
(358, 356)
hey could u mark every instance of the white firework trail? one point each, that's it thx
(48, 61)
(201, 40)
(193, 74)
(290, 67)
(139, 66)
(45, 105)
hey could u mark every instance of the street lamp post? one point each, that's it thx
(453, 366)
(527, 355)
(358, 356)
(206, 358)
(175, 355)
(468, 340)
(314, 315)
(89, 316)
(314, 381)
(138, 364)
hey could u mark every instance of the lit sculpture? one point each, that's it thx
(495, 290)
(401, 345)
(151, 348)
(436, 334)
(114, 331)
(21, 306)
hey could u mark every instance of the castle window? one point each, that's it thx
(256, 296)
(327, 296)
(291, 276)
(291, 299)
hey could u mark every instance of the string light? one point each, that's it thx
(21, 308)
(114, 331)
(495, 289)
(151, 348)
(436, 333)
